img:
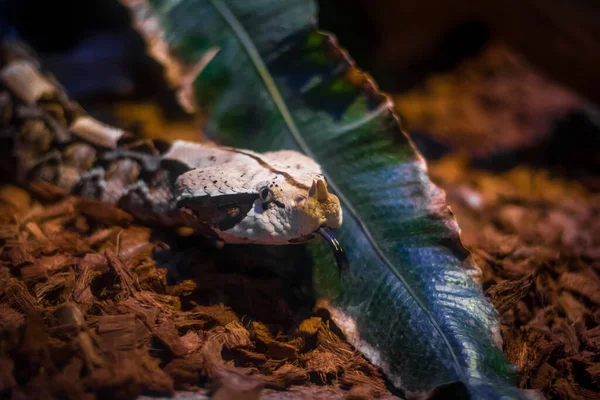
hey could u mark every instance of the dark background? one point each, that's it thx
(93, 51)
(398, 41)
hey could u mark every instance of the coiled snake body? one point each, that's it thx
(237, 196)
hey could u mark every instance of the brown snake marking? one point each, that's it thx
(233, 194)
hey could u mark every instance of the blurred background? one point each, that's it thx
(501, 97)
(506, 82)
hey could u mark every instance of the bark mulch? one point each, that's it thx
(95, 306)
(537, 240)
(86, 311)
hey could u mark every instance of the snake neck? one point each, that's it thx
(49, 139)
(238, 195)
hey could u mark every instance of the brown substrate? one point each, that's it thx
(85, 310)
(86, 313)
(537, 241)
(493, 102)
(535, 236)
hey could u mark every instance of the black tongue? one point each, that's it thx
(338, 251)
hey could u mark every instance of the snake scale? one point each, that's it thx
(229, 194)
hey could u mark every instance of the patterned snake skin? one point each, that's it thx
(237, 196)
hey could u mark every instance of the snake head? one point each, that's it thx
(321, 205)
(275, 198)
(284, 213)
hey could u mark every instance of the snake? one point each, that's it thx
(235, 196)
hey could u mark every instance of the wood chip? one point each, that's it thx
(85, 308)
(10, 319)
(191, 341)
(585, 284)
(7, 380)
(310, 327)
(104, 213)
(16, 197)
(322, 364)
(361, 383)
(19, 298)
(285, 376)
(282, 351)
(35, 230)
(46, 190)
(167, 334)
(232, 335)
(251, 357)
(260, 333)
(128, 281)
(117, 332)
(234, 385)
(17, 253)
(186, 371)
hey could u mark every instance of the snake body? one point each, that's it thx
(235, 195)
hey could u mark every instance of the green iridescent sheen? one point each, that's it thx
(278, 83)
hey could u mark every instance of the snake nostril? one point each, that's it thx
(265, 193)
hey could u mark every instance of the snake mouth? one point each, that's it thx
(338, 251)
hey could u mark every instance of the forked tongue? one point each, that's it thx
(338, 251)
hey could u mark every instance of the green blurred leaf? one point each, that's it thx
(276, 83)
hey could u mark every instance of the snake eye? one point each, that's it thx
(266, 195)
(300, 200)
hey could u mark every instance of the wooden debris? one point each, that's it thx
(537, 246)
(232, 336)
(15, 197)
(167, 334)
(286, 376)
(7, 380)
(585, 283)
(233, 385)
(103, 213)
(110, 318)
(310, 327)
(282, 351)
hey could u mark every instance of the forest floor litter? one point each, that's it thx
(87, 309)
(84, 309)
